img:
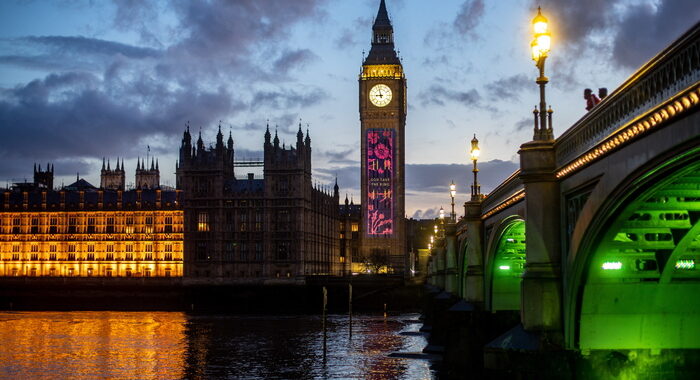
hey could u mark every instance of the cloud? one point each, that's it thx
(524, 124)
(430, 213)
(508, 88)
(615, 30)
(634, 44)
(469, 16)
(292, 59)
(77, 115)
(438, 94)
(285, 99)
(91, 46)
(102, 97)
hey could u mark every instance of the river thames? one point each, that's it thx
(172, 345)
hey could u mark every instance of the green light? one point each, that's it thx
(612, 265)
(504, 267)
(685, 264)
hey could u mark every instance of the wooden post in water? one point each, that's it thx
(323, 318)
(350, 308)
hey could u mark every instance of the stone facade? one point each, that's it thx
(82, 231)
(252, 230)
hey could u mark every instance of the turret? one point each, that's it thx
(300, 138)
(219, 140)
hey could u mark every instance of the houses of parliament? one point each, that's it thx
(219, 225)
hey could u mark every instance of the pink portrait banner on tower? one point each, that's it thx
(380, 182)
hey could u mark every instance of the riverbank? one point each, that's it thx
(172, 294)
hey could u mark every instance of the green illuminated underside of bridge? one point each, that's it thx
(508, 267)
(643, 283)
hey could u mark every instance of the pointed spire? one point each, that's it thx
(230, 140)
(153, 167)
(276, 141)
(103, 164)
(108, 167)
(308, 137)
(347, 201)
(35, 167)
(157, 165)
(382, 16)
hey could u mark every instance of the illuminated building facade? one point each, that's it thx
(250, 229)
(382, 86)
(82, 231)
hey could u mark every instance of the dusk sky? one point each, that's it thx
(80, 80)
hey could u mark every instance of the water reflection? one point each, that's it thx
(92, 344)
(175, 345)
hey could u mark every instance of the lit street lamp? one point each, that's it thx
(453, 192)
(540, 47)
(475, 152)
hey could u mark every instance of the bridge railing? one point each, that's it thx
(668, 73)
(504, 192)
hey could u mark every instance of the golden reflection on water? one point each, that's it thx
(160, 345)
(92, 345)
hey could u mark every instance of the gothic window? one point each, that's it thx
(53, 248)
(258, 251)
(168, 224)
(201, 252)
(129, 225)
(72, 225)
(35, 225)
(91, 248)
(282, 252)
(203, 221)
(35, 248)
(110, 224)
(53, 228)
(228, 251)
(149, 225)
(244, 251)
(258, 220)
(91, 225)
(15, 225)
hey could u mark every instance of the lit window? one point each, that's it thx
(203, 222)
(355, 227)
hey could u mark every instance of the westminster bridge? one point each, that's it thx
(594, 243)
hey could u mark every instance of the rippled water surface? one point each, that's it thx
(143, 345)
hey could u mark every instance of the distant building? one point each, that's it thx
(349, 232)
(112, 179)
(147, 178)
(83, 231)
(248, 229)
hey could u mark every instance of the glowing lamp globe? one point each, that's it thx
(475, 151)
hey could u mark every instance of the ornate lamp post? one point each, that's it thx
(453, 192)
(540, 47)
(475, 152)
(442, 221)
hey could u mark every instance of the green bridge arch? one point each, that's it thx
(505, 265)
(639, 278)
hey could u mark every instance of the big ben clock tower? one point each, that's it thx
(383, 121)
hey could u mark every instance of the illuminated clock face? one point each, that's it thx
(380, 95)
